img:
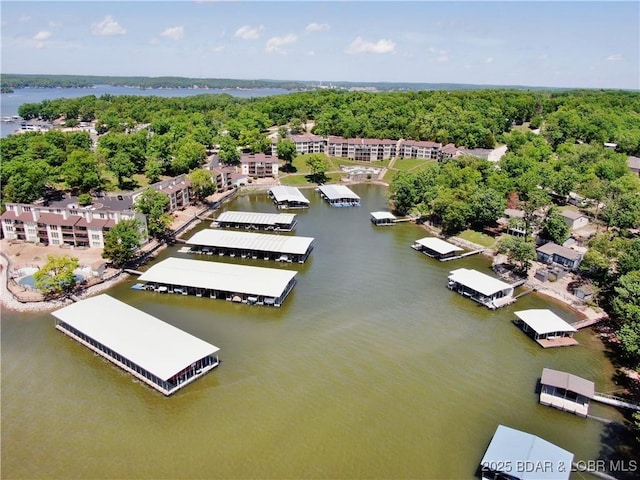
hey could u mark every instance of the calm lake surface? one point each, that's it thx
(372, 368)
(10, 102)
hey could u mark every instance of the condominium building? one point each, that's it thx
(259, 165)
(362, 149)
(419, 149)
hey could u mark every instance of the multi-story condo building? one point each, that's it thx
(362, 149)
(64, 222)
(419, 149)
(309, 143)
(259, 165)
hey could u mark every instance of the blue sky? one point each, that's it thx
(556, 44)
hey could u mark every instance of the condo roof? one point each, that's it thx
(478, 281)
(518, 450)
(228, 277)
(566, 381)
(544, 321)
(262, 242)
(154, 345)
(438, 245)
(334, 192)
(284, 193)
(253, 218)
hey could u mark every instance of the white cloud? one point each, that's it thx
(616, 57)
(542, 56)
(363, 46)
(174, 33)
(247, 32)
(489, 60)
(107, 27)
(274, 44)
(40, 38)
(317, 27)
(217, 49)
(311, 53)
(24, 18)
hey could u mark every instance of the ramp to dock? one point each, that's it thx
(615, 401)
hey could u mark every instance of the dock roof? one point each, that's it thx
(257, 218)
(544, 321)
(383, 215)
(478, 281)
(154, 345)
(284, 193)
(334, 192)
(438, 245)
(513, 448)
(228, 277)
(262, 242)
(566, 381)
(551, 248)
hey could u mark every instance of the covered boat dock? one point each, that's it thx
(279, 222)
(383, 218)
(566, 392)
(286, 197)
(160, 355)
(482, 288)
(516, 455)
(284, 248)
(339, 196)
(227, 281)
(546, 328)
(435, 247)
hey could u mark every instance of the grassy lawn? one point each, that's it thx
(295, 180)
(405, 164)
(336, 163)
(477, 237)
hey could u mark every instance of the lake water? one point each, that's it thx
(10, 102)
(372, 368)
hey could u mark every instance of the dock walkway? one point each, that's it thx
(615, 401)
(467, 254)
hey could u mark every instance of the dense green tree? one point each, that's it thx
(122, 242)
(153, 169)
(56, 276)
(487, 207)
(629, 258)
(520, 252)
(626, 306)
(287, 152)
(81, 172)
(554, 227)
(189, 155)
(122, 167)
(25, 181)
(153, 204)
(318, 166)
(202, 184)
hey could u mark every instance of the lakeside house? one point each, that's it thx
(286, 197)
(516, 455)
(481, 288)
(554, 254)
(436, 248)
(226, 281)
(383, 218)
(281, 248)
(156, 353)
(566, 392)
(546, 328)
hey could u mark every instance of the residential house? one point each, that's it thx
(574, 220)
(552, 253)
(634, 164)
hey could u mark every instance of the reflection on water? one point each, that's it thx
(372, 368)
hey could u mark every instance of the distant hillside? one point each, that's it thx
(13, 81)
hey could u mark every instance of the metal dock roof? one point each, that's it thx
(334, 192)
(544, 321)
(253, 218)
(268, 282)
(154, 345)
(438, 245)
(566, 381)
(383, 215)
(478, 281)
(262, 242)
(283, 193)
